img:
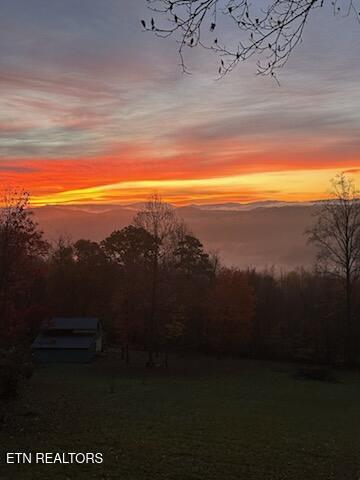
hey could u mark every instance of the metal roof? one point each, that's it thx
(63, 342)
(71, 323)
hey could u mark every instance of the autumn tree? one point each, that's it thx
(130, 247)
(269, 29)
(336, 234)
(89, 253)
(191, 258)
(132, 250)
(193, 272)
(22, 251)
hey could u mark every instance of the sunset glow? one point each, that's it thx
(243, 188)
(92, 110)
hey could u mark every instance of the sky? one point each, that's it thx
(94, 110)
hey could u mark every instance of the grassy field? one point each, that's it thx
(202, 419)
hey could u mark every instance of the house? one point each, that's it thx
(71, 340)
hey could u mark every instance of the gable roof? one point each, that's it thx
(64, 342)
(71, 323)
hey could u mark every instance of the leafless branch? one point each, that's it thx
(271, 33)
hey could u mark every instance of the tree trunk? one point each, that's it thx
(350, 343)
(150, 363)
(152, 319)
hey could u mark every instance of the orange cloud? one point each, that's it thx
(184, 174)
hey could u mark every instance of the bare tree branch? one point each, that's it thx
(272, 33)
(336, 234)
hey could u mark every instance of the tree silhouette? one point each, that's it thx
(133, 250)
(191, 258)
(22, 249)
(271, 30)
(336, 233)
(230, 311)
(160, 221)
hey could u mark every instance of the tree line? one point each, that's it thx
(156, 288)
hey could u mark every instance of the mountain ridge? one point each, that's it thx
(237, 206)
(259, 237)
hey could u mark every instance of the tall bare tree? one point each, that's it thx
(336, 233)
(159, 219)
(270, 29)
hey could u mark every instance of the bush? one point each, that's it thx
(15, 366)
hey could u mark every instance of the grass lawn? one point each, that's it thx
(202, 419)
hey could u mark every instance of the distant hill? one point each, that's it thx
(258, 234)
(249, 206)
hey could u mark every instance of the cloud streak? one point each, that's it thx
(89, 101)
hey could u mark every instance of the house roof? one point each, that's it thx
(63, 342)
(71, 323)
